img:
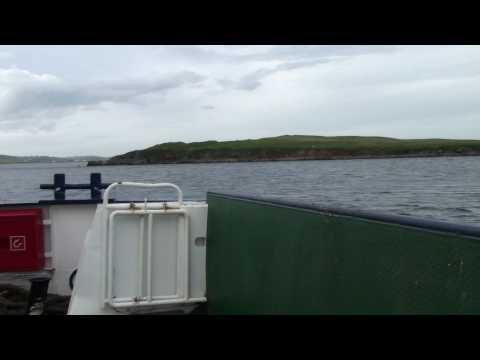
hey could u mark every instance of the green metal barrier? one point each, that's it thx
(265, 257)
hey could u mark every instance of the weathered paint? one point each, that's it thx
(265, 258)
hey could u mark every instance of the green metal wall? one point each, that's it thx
(265, 259)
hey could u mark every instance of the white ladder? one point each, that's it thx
(139, 290)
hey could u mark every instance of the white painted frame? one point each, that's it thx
(182, 286)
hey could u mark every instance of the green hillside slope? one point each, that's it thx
(293, 147)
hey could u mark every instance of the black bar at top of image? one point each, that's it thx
(243, 25)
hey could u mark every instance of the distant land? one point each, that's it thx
(293, 147)
(7, 159)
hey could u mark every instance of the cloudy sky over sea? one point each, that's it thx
(107, 100)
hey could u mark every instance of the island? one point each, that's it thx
(293, 147)
(9, 159)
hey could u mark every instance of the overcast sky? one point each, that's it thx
(107, 100)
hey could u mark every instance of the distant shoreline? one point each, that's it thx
(292, 148)
(227, 161)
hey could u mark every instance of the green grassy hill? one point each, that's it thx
(6, 159)
(293, 147)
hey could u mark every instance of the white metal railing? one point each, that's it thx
(142, 210)
(106, 194)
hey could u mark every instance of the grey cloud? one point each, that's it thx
(295, 52)
(208, 107)
(55, 97)
(289, 56)
(234, 53)
(5, 55)
(252, 80)
(295, 57)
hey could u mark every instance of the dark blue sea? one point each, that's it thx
(446, 189)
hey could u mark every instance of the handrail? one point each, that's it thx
(145, 185)
(59, 186)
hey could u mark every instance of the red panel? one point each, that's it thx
(21, 240)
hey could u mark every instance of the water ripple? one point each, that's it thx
(445, 189)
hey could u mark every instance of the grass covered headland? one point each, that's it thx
(293, 147)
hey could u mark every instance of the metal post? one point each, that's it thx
(95, 186)
(59, 184)
(38, 295)
(149, 257)
(140, 258)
